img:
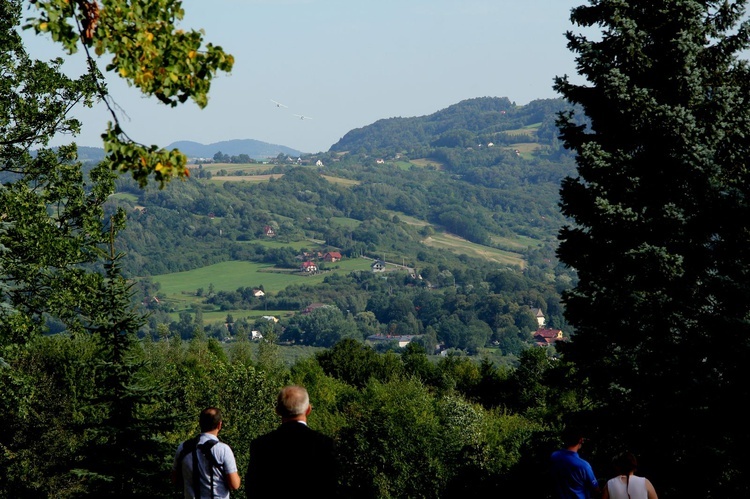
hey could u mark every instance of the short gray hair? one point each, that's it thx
(293, 400)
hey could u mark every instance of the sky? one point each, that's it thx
(345, 64)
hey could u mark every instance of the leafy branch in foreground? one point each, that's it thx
(148, 51)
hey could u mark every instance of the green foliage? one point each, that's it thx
(121, 416)
(354, 363)
(392, 443)
(324, 326)
(658, 227)
(148, 51)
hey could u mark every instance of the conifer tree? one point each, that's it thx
(659, 231)
(125, 421)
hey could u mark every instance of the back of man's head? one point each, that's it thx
(209, 419)
(293, 401)
(571, 436)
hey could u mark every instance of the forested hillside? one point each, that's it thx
(395, 207)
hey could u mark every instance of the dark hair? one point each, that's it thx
(624, 463)
(209, 419)
(571, 435)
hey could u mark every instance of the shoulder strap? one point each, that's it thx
(196, 475)
(188, 447)
(206, 447)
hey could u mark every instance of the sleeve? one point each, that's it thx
(225, 457)
(591, 478)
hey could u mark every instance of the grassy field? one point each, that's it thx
(249, 168)
(428, 163)
(348, 223)
(256, 179)
(529, 130)
(220, 316)
(180, 287)
(520, 242)
(407, 219)
(125, 195)
(256, 173)
(459, 245)
(525, 149)
(346, 182)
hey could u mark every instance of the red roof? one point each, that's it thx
(548, 335)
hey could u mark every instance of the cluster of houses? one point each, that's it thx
(308, 259)
(543, 336)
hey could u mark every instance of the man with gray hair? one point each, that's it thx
(292, 451)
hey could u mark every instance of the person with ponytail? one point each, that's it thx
(628, 485)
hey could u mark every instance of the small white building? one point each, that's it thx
(378, 266)
(539, 316)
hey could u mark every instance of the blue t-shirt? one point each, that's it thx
(224, 457)
(573, 476)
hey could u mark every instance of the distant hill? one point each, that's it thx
(253, 148)
(465, 124)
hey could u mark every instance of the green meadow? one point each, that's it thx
(348, 223)
(180, 288)
(341, 181)
(459, 245)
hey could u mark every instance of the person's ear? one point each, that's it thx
(308, 410)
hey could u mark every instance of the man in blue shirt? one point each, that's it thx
(216, 474)
(572, 475)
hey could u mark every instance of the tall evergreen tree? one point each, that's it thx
(126, 419)
(659, 236)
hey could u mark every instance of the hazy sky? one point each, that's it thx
(347, 64)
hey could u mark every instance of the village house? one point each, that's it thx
(402, 340)
(309, 255)
(268, 231)
(258, 292)
(378, 266)
(332, 256)
(309, 266)
(545, 337)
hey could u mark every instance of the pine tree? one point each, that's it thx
(125, 421)
(659, 232)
